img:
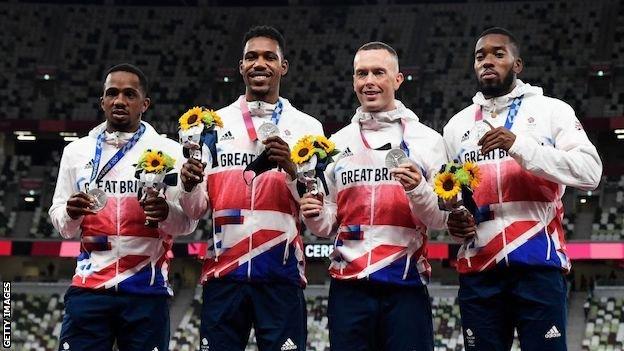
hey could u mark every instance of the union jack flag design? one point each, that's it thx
(521, 217)
(255, 217)
(381, 231)
(133, 260)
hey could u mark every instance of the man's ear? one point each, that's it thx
(398, 80)
(284, 67)
(146, 104)
(518, 66)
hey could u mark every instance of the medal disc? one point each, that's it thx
(267, 130)
(99, 197)
(395, 157)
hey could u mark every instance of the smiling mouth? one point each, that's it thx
(258, 75)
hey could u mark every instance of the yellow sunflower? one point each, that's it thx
(475, 174)
(154, 162)
(211, 117)
(446, 185)
(325, 143)
(303, 150)
(191, 118)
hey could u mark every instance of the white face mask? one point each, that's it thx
(260, 108)
(117, 139)
(377, 120)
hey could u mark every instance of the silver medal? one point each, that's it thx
(395, 157)
(478, 131)
(267, 130)
(99, 197)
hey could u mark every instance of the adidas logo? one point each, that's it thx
(227, 136)
(552, 333)
(204, 345)
(288, 345)
(347, 152)
(465, 136)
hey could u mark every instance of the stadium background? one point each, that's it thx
(53, 55)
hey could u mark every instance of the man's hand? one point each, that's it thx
(155, 207)
(278, 151)
(79, 204)
(311, 205)
(497, 138)
(192, 173)
(461, 224)
(407, 175)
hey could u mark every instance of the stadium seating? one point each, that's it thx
(446, 325)
(36, 321)
(188, 51)
(604, 330)
(608, 224)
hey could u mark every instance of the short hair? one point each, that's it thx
(500, 30)
(127, 67)
(378, 45)
(266, 32)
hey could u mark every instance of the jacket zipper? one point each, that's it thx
(118, 241)
(253, 203)
(502, 216)
(372, 213)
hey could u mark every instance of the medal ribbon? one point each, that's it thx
(402, 145)
(116, 158)
(251, 130)
(511, 115)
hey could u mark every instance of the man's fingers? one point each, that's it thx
(284, 150)
(274, 139)
(488, 136)
(491, 145)
(80, 202)
(311, 210)
(462, 235)
(193, 169)
(191, 173)
(79, 211)
(196, 163)
(311, 202)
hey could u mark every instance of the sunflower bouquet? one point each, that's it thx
(152, 170)
(454, 185)
(195, 126)
(312, 154)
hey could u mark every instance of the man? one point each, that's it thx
(378, 298)
(253, 274)
(120, 291)
(528, 148)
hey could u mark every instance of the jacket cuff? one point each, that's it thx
(523, 148)
(419, 189)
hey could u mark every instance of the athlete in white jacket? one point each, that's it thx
(120, 289)
(378, 298)
(528, 147)
(253, 272)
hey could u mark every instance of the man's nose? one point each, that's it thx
(120, 100)
(260, 63)
(487, 62)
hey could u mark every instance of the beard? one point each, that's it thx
(497, 88)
